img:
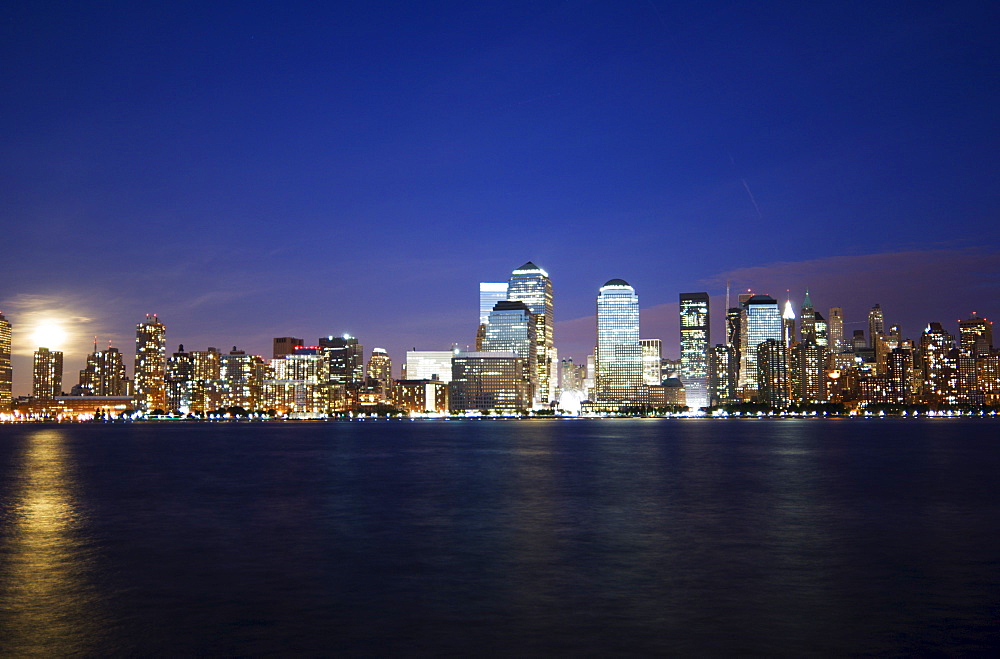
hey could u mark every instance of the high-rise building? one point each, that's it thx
(104, 374)
(788, 335)
(772, 373)
(809, 318)
(763, 321)
(619, 355)
(285, 345)
(346, 358)
(511, 327)
(489, 294)
(150, 364)
(46, 382)
(6, 372)
(975, 335)
(935, 344)
(695, 341)
(180, 382)
(572, 376)
(723, 369)
(876, 325)
(531, 285)
(837, 343)
(242, 379)
(380, 369)
(821, 330)
(428, 365)
(207, 390)
(652, 358)
(808, 375)
(488, 381)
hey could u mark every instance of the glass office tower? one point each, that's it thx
(619, 355)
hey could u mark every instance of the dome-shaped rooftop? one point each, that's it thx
(617, 282)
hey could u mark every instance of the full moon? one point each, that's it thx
(49, 335)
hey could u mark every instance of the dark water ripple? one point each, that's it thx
(596, 538)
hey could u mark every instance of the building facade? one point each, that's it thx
(531, 285)
(150, 364)
(6, 372)
(619, 378)
(695, 341)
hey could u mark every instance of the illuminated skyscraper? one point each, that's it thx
(150, 364)
(380, 369)
(489, 294)
(619, 355)
(207, 390)
(935, 344)
(876, 325)
(47, 375)
(511, 327)
(975, 335)
(836, 328)
(6, 373)
(652, 359)
(723, 374)
(821, 330)
(695, 339)
(489, 381)
(531, 285)
(763, 321)
(788, 325)
(346, 358)
(180, 381)
(809, 318)
(772, 373)
(808, 375)
(104, 374)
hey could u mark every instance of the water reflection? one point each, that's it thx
(47, 606)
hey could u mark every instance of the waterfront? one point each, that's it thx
(775, 537)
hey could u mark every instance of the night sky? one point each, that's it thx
(251, 170)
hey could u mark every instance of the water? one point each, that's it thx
(590, 537)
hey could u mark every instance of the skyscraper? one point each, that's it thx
(6, 373)
(346, 358)
(150, 364)
(652, 358)
(531, 285)
(876, 325)
(836, 328)
(47, 374)
(619, 355)
(772, 373)
(104, 374)
(511, 327)
(380, 370)
(695, 339)
(489, 294)
(808, 319)
(763, 322)
(975, 335)
(180, 381)
(808, 376)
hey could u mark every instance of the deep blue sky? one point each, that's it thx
(250, 170)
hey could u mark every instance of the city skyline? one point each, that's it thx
(247, 172)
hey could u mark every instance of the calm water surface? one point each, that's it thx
(590, 537)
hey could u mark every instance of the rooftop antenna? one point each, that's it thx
(727, 294)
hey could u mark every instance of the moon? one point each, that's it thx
(49, 335)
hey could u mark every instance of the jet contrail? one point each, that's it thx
(752, 200)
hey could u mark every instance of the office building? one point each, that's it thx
(47, 375)
(428, 365)
(836, 330)
(6, 372)
(723, 375)
(285, 345)
(619, 356)
(346, 359)
(876, 325)
(975, 335)
(511, 327)
(808, 319)
(808, 372)
(150, 365)
(242, 378)
(489, 294)
(207, 388)
(935, 345)
(491, 382)
(421, 396)
(652, 358)
(763, 321)
(821, 330)
(531, 285)
(695, 341)
(380, 371)
(772, 373)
